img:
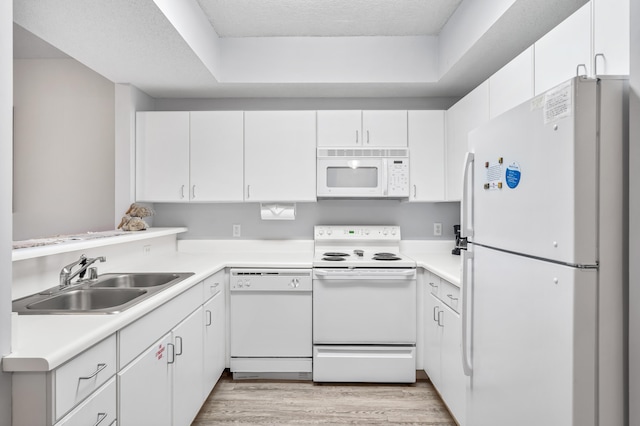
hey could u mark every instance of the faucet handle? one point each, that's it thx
(93, 273)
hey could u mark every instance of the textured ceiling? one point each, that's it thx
(327, 18)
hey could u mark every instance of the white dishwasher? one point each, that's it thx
(271, 324)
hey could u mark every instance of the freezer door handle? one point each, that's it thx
(466, 206)
(467, 313)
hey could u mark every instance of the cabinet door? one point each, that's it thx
(432, 338)
(144, 387)
(162, 156)
(611, 36)
(214, 342)
(561, 50)
(511, 85)
(453, 386)
(217, 151)
(384, 128)
(426, 145)
(340, 128)
(469, 113)
(188, 368)
(280, 156)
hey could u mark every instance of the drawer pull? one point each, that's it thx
(433, 285)
(450, 296)
(435, 313)
(95, 373)
(113, 422)
(101, 417)
(439, 323)
(209, 320)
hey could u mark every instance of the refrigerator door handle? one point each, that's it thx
(466, 228)
(467, 314)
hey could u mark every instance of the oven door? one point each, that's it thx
(364, 306)
(351, 177)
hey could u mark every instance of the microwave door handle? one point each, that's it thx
(385, 184)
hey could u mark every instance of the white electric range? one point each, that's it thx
(364, 306)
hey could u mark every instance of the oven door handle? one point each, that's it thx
(358, 274)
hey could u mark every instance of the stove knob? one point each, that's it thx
(393, 231)
(320, 231)
(366, 232)
(247, 283)
(385, 231)
(294, 283)
(329, 231)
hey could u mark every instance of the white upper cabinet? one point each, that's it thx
(189, 156)
(340, 128)
(384, 128)
(469, 113)
(426, 145)
(217, 151)
(611, 36)
(362, 128)
(280, 156)
(511, 85)
(162, 156)
(559, 52)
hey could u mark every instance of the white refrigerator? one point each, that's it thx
(544, 275)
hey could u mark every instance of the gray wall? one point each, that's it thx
(64, 149)
(634, 219)
(215, 221)
(6, 114)
(260, 104)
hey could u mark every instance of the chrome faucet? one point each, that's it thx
(66, 274)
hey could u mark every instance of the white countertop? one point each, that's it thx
(44, 342)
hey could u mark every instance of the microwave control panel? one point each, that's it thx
(398, 177)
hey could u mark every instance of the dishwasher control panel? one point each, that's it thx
(270, 280)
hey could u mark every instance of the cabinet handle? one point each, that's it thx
(433, 285)
(173, 353)
(450, 296)
(113, 422)
(101, 417)
(95, 373)
(178, 338)
(415, 191)
(357, 137)
(436, 314)
(209, 319)
(440, 324)
(595, 63)
(182, 192)
(248, 191)
(367, 137)
(578, 70)
(193, 192)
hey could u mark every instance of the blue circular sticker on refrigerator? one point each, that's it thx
(512, 175)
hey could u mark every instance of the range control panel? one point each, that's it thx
(357, 233)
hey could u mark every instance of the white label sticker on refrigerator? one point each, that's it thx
(494, 175)
(557, 103)
(512, 175)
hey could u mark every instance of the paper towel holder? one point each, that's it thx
(278, 211)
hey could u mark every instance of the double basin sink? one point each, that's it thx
(107, 294)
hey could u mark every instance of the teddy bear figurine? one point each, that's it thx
(132, 219)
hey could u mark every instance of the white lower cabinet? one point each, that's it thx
(214, 341)
(443, 344)
(187, 368)
(144, 387)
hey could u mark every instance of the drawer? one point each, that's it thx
(78, 378)
(433, 283)
(137, 337)
(450, 295)
(98, 409)
(213, 285)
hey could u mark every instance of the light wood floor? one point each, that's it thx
(250, 402)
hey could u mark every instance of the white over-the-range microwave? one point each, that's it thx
(363, 173)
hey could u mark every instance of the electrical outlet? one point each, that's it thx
(146, 250)
(437, 229)
(236, 230)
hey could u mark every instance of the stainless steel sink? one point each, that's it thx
(135, 280)
(107, 294)
(91, 299)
